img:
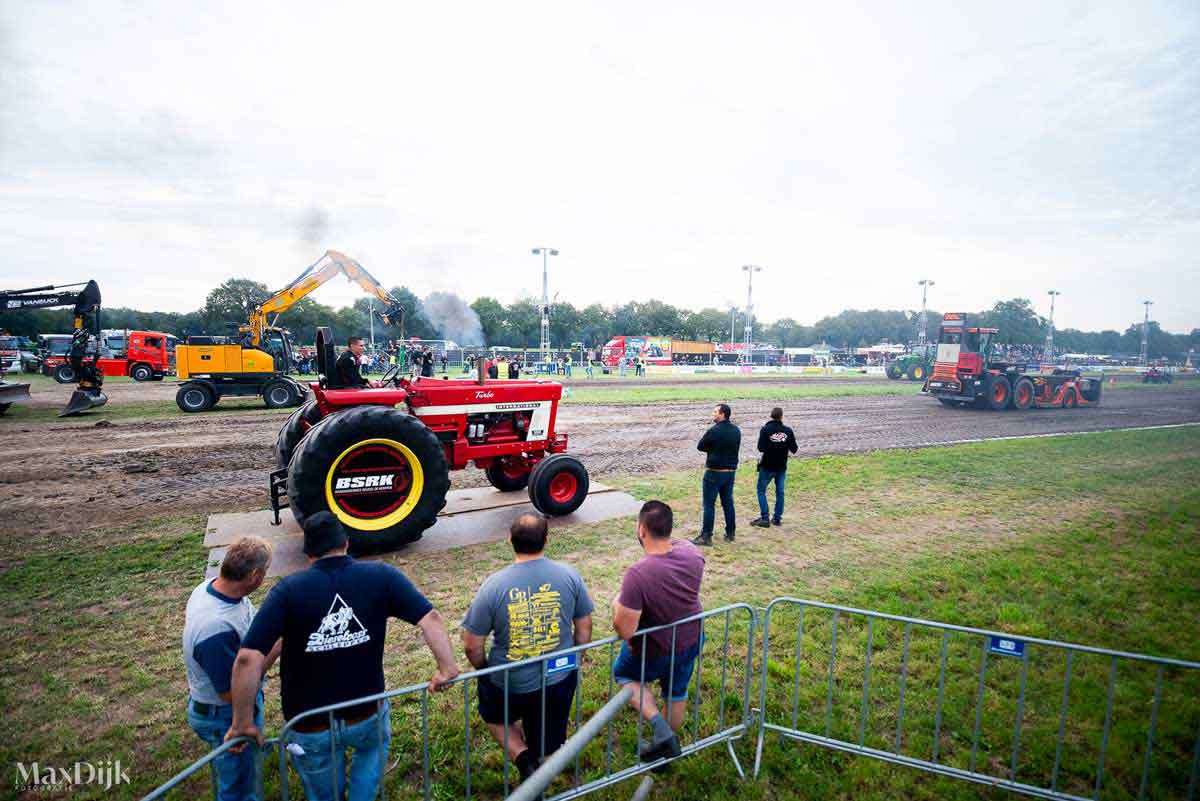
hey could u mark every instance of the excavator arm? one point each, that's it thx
(333, 263)
(86, 309)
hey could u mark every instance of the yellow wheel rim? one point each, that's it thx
(359, 492)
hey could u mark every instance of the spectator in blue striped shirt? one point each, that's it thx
(218, 615)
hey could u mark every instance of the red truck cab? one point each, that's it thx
(141, 355)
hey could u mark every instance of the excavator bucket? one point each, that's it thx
(82, 400)
(12, 393)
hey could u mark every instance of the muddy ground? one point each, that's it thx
(65, 477)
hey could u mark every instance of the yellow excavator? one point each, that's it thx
(259, 362)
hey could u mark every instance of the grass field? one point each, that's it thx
(1089, 538)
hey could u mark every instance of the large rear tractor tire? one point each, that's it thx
(558, 485)
(996, 392)
(916, 372)
(290, 434)
(195, 397)
(1023, 394)
(508, 474)
(380, 471)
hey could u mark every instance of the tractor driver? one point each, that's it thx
(347, 366)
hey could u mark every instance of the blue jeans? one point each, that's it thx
(765, 477)
(324, 758)
(235, 772)
(673, 682)
(717, 484)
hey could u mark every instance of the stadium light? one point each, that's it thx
(924, 283)
(1146, 333)
(545, 253)
(1053, 293)
(749, 270)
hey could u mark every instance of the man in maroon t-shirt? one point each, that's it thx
(661, 588)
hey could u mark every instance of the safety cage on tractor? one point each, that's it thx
(379, 458)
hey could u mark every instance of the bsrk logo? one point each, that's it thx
(383, 482)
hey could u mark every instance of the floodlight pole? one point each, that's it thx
(924, 283)
(750, 270)
(1053, 293)
(545, 253)
(1146, 333)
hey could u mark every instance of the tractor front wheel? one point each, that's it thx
(996, 392)
(65, 374)
(508, 474)
(558, 485)
(378, 470)
(893, 371)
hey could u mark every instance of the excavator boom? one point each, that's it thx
(333, 263)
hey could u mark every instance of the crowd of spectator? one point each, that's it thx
(326, 626)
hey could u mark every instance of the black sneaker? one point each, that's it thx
(761, 522)
(729, 536)
(667, 749)
(526, 763)
(704, 540)
(776, 522)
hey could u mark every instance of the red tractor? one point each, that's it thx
(968, 370)
(380, 459)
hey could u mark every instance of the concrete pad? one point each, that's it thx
(223, 528)
(459, 529)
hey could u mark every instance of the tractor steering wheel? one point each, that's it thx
(391, 375)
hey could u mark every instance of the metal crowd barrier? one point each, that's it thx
(1017, 713)
(863, 682)
(589, 770)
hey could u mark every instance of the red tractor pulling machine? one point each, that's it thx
(379, 459)
(967, 371)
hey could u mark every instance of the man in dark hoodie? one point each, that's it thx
(721, 442)
(775, 442)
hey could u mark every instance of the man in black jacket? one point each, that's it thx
(346, 366)
(721, 442)
(775, 442)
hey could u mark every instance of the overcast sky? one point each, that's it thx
(1001, 149)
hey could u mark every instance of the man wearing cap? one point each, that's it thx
(333, 620)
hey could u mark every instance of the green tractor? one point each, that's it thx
(914, 365)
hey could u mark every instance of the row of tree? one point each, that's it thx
(487, 321)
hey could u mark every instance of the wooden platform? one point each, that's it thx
(471, 516)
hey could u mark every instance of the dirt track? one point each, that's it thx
(131, 470)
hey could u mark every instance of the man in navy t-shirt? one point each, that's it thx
(333, 621)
